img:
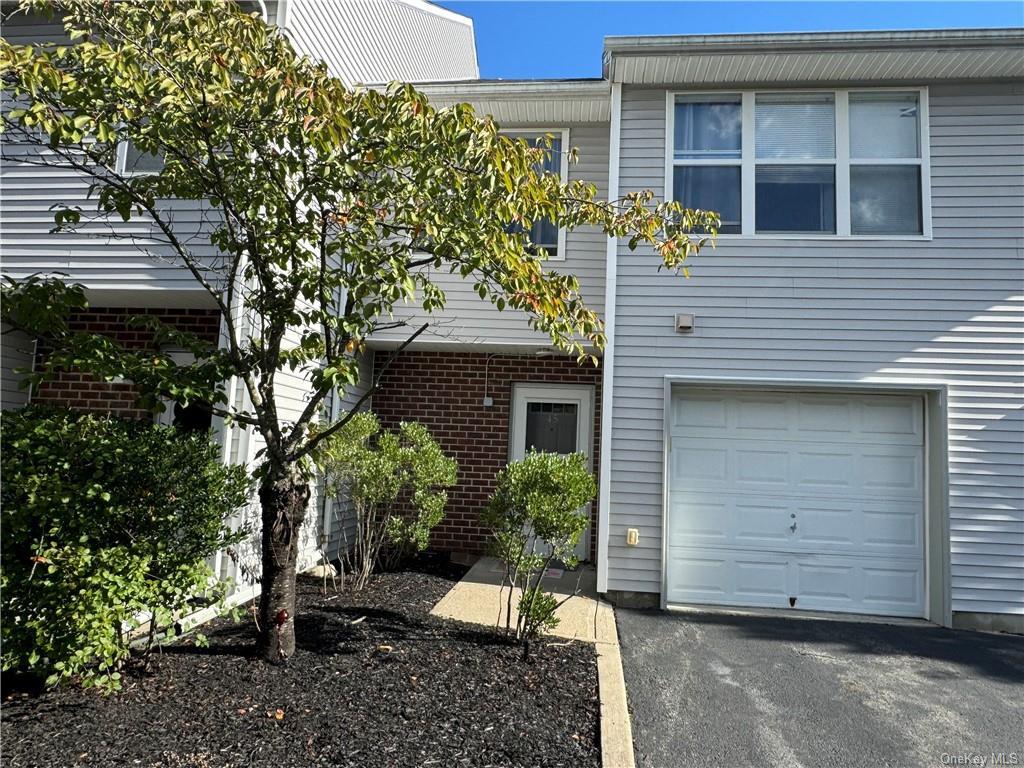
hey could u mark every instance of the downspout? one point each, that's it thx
(608, 363)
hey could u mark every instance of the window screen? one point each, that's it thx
(884, 125)
(885, 199)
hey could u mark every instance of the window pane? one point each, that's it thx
(137, 161)
(884, 125)
(544, 234)
(795, 198)
(708, 127)
(551, 427)
(711, 188)
(885, 200)
(800, 126)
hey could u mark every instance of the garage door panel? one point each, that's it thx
(760, 523)
(874, 528)
(816, 497)
(731, 465)
(728, 578)
(872, 419)
(818, 583)
(701, 519)
(704, 464)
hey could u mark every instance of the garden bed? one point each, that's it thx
(376, 681)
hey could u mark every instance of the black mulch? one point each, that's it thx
(447, 694)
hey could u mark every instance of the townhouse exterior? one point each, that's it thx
(827, 414)
(361, 42)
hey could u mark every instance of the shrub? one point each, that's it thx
(104, 521)
(395, 481)
(536, 516)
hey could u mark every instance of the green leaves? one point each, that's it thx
(103, 521)
(536, 515)
(396, 482)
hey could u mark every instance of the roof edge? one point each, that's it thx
(783, 41)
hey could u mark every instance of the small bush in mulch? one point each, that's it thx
(376, 682)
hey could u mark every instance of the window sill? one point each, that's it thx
(823, 238)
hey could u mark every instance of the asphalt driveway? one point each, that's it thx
(709, 689)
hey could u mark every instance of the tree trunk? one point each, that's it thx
(283, 498)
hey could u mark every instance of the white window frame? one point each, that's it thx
(563, 133)
(841, 162)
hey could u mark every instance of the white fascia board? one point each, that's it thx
(608, 361)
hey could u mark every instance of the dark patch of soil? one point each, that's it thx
(446, 694)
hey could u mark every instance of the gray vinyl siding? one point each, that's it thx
(16, 351)
(943, 311)
(381, 41)
(467, 319)
(111, 255)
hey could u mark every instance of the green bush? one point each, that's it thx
(103, 521)
(536, 516)
(395, 482)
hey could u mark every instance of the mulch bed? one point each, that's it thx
(447, 694)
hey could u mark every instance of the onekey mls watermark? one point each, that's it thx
(982, 760)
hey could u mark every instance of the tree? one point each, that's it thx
(323, 207)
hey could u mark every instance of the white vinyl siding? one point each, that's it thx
(383, 40)
(468, 320)
(361, 41)
(946, 312)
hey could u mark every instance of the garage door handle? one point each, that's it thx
(793, 527)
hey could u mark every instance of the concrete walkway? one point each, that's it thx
(480, 599)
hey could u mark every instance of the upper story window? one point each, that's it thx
(803, 163)
(885, 163)
(708, 155)
(544, 234)
(131, 160)
(795, 171)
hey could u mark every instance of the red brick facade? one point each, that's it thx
(445, 391)
(75, 389)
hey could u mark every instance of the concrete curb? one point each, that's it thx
(616, 730)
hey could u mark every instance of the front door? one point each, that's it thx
(553, 418)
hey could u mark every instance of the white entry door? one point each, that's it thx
(553, 418)
(796, 500)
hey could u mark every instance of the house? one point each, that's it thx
(827, 415)
(361, 42)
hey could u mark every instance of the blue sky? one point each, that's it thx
(564, 39)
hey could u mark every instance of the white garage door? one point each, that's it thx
(797, 500)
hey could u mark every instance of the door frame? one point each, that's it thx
(580, 394)
(937, 580)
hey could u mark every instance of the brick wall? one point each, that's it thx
(445, 391)
(75, 389)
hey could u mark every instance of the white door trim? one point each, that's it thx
(937, 597)
(582, 395)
